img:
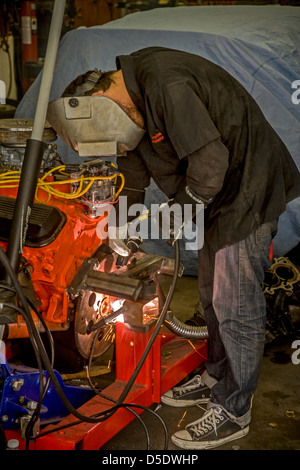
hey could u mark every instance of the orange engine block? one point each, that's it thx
(60, 237)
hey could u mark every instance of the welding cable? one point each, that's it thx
(145, 408)
(157, 327)
(22, 312)
(40, 317)
(34, 345)
(100, 394)
(97, 392)
(43, 392)
(125, 405)
(47, 331)
(121, 405)
(35, 415)
(108, 398)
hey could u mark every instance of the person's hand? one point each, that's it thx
(169, 220)
(122, 244)
(174, 214)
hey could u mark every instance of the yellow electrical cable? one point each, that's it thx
(60, 167)
(10, 181)
(38, 200)
(121, 187)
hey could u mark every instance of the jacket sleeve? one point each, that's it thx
(136, 177)
(207, 168)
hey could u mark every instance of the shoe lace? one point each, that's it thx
(208, 421)
(193, 383)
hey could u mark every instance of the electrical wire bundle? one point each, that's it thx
(11, 179)
(44, 362)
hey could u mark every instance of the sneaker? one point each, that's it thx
(191, 393)
(212, 430)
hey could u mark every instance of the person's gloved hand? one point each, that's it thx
(123, 244)
(174, 214)
(118, 243)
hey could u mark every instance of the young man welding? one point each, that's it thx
(207, 142)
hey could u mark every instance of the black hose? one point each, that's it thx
(35, 346)
(157, 327)
(106, 397)
(43, 391)
(102, 395)
(121, 405)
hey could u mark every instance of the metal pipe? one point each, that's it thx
(48, 69)
(184, 330)
(34, 146)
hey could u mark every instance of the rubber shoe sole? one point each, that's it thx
(168, 399)
(184, 440)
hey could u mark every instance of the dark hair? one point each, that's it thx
(103, 83)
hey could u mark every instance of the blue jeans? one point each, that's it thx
(235, 311)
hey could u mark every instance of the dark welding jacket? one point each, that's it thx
(205, 131)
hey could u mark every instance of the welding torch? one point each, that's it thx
(105, 320)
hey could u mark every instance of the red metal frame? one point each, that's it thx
(163, 369)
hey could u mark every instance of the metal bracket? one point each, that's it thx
(129, 282)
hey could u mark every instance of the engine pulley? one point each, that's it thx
(91, 307)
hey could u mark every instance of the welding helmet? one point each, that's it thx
(93, 125)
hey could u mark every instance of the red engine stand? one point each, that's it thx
(163, 368)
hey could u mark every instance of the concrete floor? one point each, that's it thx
(275, 413)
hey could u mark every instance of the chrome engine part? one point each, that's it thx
(13, 136)
(94, 178)
(101, 191)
